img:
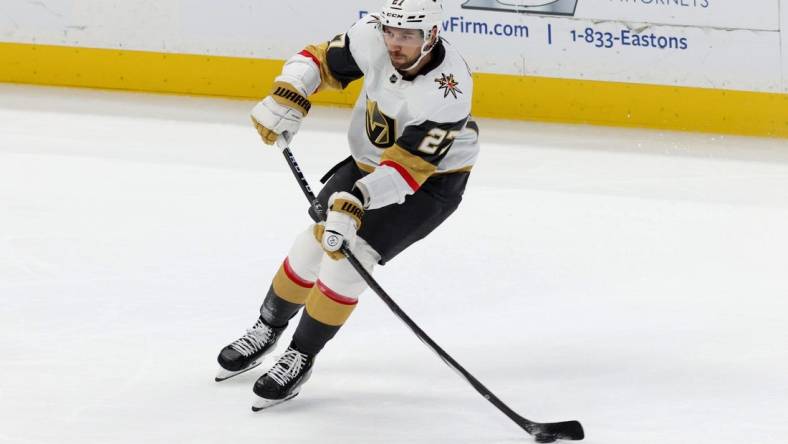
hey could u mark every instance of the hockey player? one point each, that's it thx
(412, 147)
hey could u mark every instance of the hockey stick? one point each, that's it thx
(542, 431)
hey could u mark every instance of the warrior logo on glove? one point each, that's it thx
(332, 240)
(352, 209)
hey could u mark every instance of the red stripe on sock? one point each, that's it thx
(298, 280)
(334, 296)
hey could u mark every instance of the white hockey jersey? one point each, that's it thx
(419, 125)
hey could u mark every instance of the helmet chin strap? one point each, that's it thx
(421, 57)
(425, 49)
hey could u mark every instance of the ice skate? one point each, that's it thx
(283, 381)
(248, 351)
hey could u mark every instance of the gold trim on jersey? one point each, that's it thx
(364, 167)
(418, 169)
(369, 168)
(320, 51)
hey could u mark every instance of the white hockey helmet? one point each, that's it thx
(413, 14)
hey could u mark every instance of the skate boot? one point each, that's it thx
(247, 352)
(283, 381)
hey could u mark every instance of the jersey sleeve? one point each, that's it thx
(418, 151)
(336, 63)
(343, 59)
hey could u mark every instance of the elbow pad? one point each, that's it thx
(301, 72)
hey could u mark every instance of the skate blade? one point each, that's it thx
(223, 374)
(260, 403)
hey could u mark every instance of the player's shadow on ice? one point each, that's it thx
(368, 403)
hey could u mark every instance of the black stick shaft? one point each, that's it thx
(527, 425)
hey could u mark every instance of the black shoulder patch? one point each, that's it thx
(340, 61)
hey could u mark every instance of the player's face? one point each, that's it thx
(403, 45)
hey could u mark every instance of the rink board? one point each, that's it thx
(624, 62)
(784, 44)
(500, 96)
(721, 14)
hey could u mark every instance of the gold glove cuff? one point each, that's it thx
(285, 94)
(350, 208)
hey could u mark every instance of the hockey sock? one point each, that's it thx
(326, 312)
(287, 294)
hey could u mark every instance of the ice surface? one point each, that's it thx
(634, 280)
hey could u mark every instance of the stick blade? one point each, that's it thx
(552, 431)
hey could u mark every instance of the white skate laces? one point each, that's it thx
(288, 366)
(254, 339)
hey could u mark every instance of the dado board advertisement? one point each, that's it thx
(618, 51)
(544, 52)
(751, 14)
(784, 36)
(518, 37)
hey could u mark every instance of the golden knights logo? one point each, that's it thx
(546, 7)
(448, 85)
(381, 129)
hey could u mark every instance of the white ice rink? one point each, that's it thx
(634, 280)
